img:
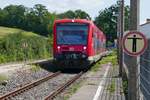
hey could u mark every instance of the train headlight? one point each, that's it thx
(73, 21)
(84, 47)
(58, 47)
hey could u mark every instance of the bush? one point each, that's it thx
(18, 47)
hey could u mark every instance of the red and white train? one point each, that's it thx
(77, 41)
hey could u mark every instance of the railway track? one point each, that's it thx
(62, 87)
(28, 86)
(52, 95)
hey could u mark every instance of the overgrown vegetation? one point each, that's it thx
(112, 57)
(20, 46)
(3, 78)
(125, 86)
(111, 87)
(35, 68)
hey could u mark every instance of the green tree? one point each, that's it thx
(108, 22)
(81, 14)
(40, 20)
(36, 19)
(14, 15)
(2, 16)
(51, 17)
(74, 14)
(68, 14)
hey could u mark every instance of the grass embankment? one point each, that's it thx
(19, 45)
(4, 31)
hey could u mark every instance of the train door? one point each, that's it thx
(95, 44)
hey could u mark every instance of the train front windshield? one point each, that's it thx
(72, 33)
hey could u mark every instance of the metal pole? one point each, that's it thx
(118, 37)
(133, 63)
(121, 36)
(118, 34)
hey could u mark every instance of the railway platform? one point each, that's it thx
(103, 85)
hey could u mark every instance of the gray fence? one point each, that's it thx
(145, 73)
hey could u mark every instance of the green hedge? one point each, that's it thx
(19, 47)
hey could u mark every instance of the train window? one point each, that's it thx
(72, 33)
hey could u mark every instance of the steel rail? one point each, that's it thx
(62, 87)
(28, 86)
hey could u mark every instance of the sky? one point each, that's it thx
(92, 7)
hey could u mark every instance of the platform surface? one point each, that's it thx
(103, 85)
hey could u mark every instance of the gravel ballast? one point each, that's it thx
(21, 77)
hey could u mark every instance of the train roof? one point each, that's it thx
(74, 20)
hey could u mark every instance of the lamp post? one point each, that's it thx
(121, 35)
(117, 15)
(120, 31)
